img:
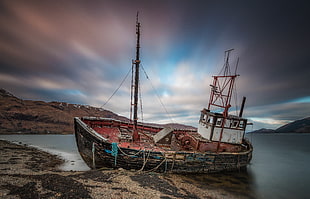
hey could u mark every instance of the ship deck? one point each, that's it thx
(123, 136)
(191, 141)
(122, 132)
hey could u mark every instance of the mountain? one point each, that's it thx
(27, 116)
(263, 130)
(298, 126)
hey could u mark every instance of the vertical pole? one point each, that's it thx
(242, 107)
(136, 136)
(221, 134)
(227, 106)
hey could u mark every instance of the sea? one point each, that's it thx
(280, 167)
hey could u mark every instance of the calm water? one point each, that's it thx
(280, 165)
(279, 168)
(61, 145)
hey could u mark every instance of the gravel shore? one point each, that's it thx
(26, 172)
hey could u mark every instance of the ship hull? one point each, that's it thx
(99, 153)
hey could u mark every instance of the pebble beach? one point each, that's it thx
(26, 172)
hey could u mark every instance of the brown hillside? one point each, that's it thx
(26, 116)
(298, 126)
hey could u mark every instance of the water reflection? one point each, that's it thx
(235, 184)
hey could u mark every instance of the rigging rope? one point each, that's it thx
(116, 89)
(131, 70)
(147, 77)
(235, 87)
(129, 154)
(164, 160)
(144, 160)
(140, 96)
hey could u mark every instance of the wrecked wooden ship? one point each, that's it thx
(217, 145)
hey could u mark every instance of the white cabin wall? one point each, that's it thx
(233, 130)
(233, 136)
(204, 130)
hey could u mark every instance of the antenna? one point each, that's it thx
(226, 65)
(237, 64)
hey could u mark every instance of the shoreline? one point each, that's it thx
(27, 172)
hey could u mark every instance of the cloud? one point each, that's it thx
(276, 115)
(79, 52)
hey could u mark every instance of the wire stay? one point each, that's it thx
(147, 77)
(116, 89)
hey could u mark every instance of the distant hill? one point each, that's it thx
(298, 126)
(263, 130)
(27, 116)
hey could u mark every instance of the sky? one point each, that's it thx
(79, 51)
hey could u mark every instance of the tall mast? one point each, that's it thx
(222, 87)
(136, 136)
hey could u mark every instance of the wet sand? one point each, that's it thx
(26, 172)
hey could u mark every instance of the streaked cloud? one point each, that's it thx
(80, 51)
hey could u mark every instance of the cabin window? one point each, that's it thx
(219, 122)
(202, 116)
(205, 118)
(210, 120)
(235, 124)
